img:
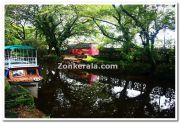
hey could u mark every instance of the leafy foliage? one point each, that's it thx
(58, 23)
(53, 26)
(16, 96)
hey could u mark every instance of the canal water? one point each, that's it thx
(82, 94)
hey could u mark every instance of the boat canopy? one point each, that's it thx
(20, 56)
(12, 47)
(81, 45)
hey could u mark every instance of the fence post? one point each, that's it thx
(36, 58)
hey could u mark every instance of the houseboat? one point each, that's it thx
(76, 52)
(84, 49)
(21, 65)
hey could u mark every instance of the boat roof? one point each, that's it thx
(81, 45)
(11, 47)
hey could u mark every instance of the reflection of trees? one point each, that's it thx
(101, 107)
(128, 106)
(85, 99)
(136, 107)
(47, 91)
(111, 97)
(162, 102)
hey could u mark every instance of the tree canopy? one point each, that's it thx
(52, 25)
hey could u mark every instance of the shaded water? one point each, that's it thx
(79, 94)
(82, 94)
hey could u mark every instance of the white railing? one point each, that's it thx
(20, 62)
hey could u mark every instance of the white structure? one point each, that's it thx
(20, 56)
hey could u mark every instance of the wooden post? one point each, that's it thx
(9, 58)
(36, 58)
(27, 56)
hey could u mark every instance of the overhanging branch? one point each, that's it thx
(104, 32)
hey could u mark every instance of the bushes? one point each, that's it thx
(19, 103)
(165, 69)
(7, 86)
(138, 68)
(124, 67)
(50, 58)
(16, 96)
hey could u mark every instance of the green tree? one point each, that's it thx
(58, 23)
(113, 24)
(17, 19)
(121, 23)
(150, 19)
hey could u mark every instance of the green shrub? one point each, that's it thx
(16, 96)
(50, 58)
(7, 86)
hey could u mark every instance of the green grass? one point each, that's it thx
(89, 59)
(135, 68)
(99, 60)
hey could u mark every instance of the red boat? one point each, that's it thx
(84, 49)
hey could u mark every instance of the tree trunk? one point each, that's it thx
(49, 50)
(36, 34)
(57, 50)
(150, 52)
(23, 32)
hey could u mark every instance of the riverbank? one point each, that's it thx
(162, 71)
(19, 103)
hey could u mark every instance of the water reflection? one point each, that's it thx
(77, 93)
(162, 100)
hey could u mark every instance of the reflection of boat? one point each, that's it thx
(21, 64)
(82, 75)
(91, 78)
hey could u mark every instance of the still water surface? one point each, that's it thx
(81, 94)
